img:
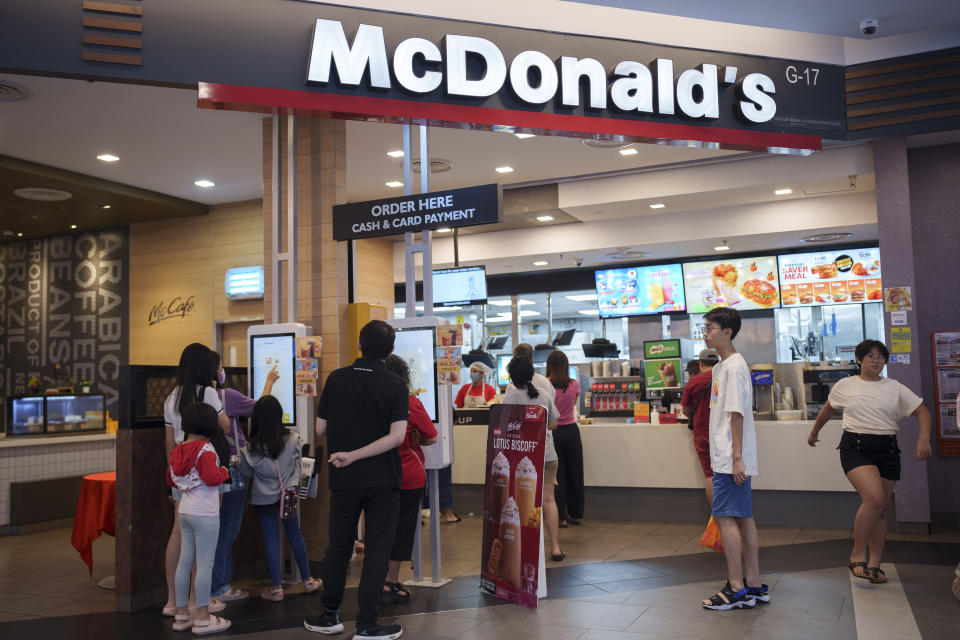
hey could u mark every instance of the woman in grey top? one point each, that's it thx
(272, 453)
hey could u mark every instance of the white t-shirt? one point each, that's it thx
(873, 406)
(731, 392)
(171, 414)
(516, 396)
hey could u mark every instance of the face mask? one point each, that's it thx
(476, 376)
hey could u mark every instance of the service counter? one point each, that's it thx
(43, 469)
(617, 454)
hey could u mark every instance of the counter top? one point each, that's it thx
(617, 454)
(44, 441)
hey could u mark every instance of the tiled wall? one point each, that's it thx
(52, 460)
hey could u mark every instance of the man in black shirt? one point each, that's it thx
(363, 412)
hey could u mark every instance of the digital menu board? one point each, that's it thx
(740, 283)
(461, 286)
(838, 276)
(640, 290)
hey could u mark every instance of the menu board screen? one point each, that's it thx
(838, 276)
(740, 283)
(639, 290)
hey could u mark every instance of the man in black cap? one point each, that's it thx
(696, 407)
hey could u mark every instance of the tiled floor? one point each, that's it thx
(620, 581)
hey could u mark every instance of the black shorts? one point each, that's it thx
(881, 451)
(408, 517)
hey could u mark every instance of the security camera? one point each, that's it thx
(579, 261)
(869, 26)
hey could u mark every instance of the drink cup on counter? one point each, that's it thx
(510, 538)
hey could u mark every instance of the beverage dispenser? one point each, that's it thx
(764, 406)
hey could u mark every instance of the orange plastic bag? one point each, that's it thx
(711, 536)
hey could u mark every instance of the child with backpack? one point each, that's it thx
(272, 459)
(195, 469)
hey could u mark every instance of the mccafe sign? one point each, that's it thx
(419, 66)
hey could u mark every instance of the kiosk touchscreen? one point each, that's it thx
(417, 346)
(276, 350)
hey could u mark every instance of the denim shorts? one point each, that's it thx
(731, 499)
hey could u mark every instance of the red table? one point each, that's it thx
(96, 512)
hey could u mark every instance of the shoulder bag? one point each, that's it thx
(288, 498)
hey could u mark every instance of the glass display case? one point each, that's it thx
(56, 414)
(26, 416)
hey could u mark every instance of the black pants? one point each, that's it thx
(569, 494)
(379, 506)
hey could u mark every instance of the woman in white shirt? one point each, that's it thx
(196, 382)
(524, 392)
(872, 405)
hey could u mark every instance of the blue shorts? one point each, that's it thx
(730, 499)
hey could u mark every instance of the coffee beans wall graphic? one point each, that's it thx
(64, 300)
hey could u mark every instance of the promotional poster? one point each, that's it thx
(741, 283)
(640, 290)
(841, 276)
(663, 374)
(510, 561)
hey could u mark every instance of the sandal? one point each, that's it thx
(563, 524)
(558, 557)
(761, 593)
(853, 570)
(182, 623)
(311, 584)
(455, 520)
(727, 599)
(397, 594)
(169, 612)
(215, 624)
(573, 521)
(877, 576)
(274, 594)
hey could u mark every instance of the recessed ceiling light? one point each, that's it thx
(20, 235)
(206, 184)
(107, 157)
(104, 206)
(629, 151)
(504, 169)
(722, 247)
(506, 303)
(523, 314)
(73, 226)
(589, 312)
(524, 136)
(658, 205)
(544, 218)
(540, 263)
(783, 192)
(393, 184)
(582, 297)
(828, 237)
(395, 154)
(444, 230)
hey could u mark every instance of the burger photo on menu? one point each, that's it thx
(740, 283)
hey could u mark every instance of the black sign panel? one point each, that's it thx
(434, 210)
(64, 300)
(266, 45)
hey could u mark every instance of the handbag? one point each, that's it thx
(288, 498)
(237, 480)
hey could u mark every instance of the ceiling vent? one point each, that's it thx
(627, 254)
(42, 194)
(609, 142)
(13, 92)
(437, 165)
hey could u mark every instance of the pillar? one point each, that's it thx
(895, 226)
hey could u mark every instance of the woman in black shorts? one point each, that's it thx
(869, 454)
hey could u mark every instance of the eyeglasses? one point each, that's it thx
(876, 357)
(708, 328)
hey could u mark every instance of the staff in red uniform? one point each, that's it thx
(477, 393)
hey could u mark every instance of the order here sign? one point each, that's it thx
(391, 216)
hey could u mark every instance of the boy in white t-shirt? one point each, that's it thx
(733, 458)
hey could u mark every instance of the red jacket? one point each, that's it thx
(182, 459)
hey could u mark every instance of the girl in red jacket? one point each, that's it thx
(195, 470)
